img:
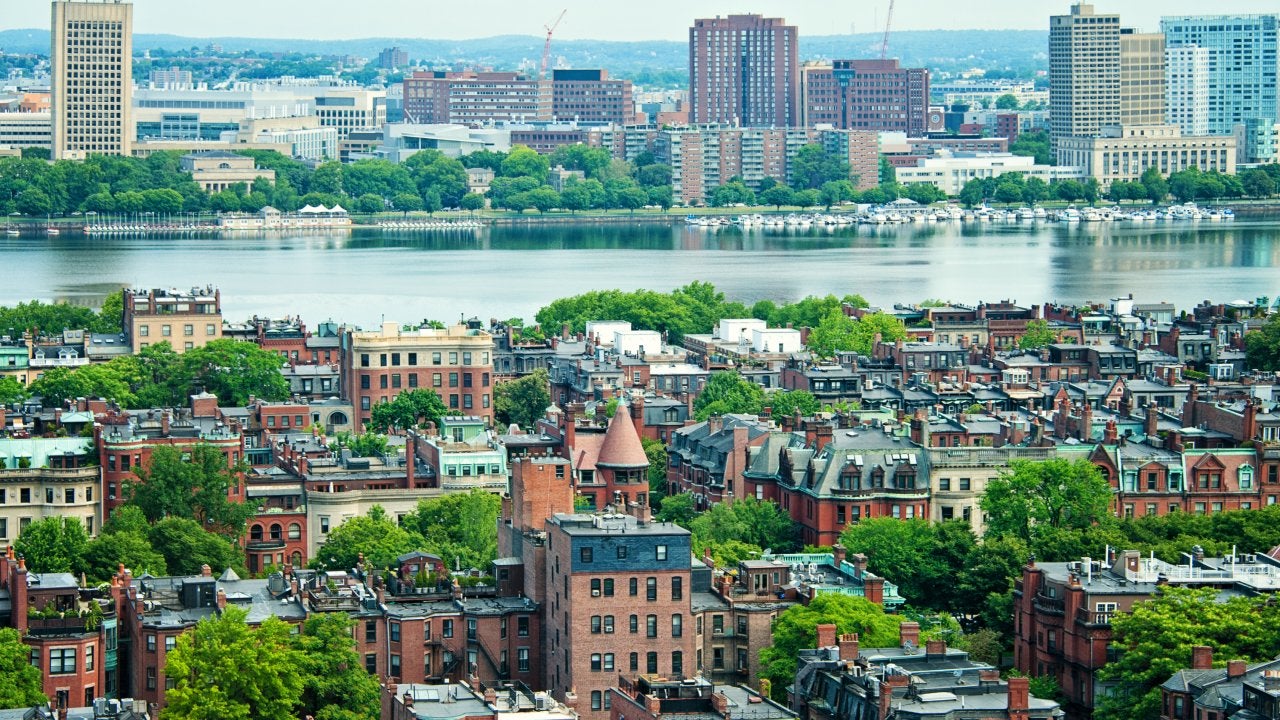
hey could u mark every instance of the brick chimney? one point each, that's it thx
(720, 703)
(838, 553)
(1149, 428)
(206, 571)
(1201, 657)
(848, 644)
(222, 600)
(1019, 696)
(1236, 668)
(873, 589)
(909, 632)
(860, 564)
(935, 648)
(826, 635)
(410, 457)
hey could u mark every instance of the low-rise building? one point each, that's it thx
(950, 173)
(216, 170)
(1125, 152)
(47, 478)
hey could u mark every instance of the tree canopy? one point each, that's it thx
(524, 400)
(223, 668)
(409, 409)
(194, 485)
(22, 686)
(1035, 498)
(54, 544)
(335, 684)
(1262, 347)
(461, 528)
(728, 392)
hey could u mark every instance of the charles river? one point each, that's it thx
(367, 275)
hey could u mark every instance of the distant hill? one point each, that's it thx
(940, 50)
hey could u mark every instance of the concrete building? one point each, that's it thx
(590, 97)
(1186, 91)
(1124, 153)
(400, 141)
(183, 319)
(1142, 73)
(597, 568)
(171, 78)
(304, 136)
(351, 109)
(26, 129)
(1084, 72)
(744, 70)
(217, 170)
(476, 98)
(201, 113)
(702, 158)
(47, 477)
(455, 362)
(91, 61)
(861, 149)
(392, 58)
(1243, 72)
(949, 173)
(985, 92)
(873, 95)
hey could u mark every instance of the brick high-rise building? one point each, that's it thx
(475, 98)
(456, 362)
(874, 95)
(617, 601)
(744, 70)
(91, 58)
(590, 97)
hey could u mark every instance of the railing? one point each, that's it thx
(1051, 606)
(1089, 617)
(76, 625)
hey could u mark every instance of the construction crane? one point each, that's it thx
(546, 47)
(884, 44)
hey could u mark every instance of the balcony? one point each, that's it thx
(1048, 605)
(1089, 617)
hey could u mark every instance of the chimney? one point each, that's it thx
(826, 635)
(206, 571)
(410, 458)
(909, 632)
(720, 703)
(1236, 668)
(164, 423)
(859, 565)
(848, 644)
(1201, 657)
(935, 648)
(1019, 694)
(838, 553)
(222, 600)
(1153, 418)
(873, 589)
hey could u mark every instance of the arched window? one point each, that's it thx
(277, 533)
(255, 533)
(296, 559)
(295, 531)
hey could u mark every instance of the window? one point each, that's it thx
(595, 662)
(677, 663)
(608, 662)
(395, 632)
(964, 484)
(471, 628)
(622, 549)
(651, 589)
(170, 642)
(596, 624)
(662, 552)
(717, 658)
(633, 585)
(188, 330)
(585, 554)
(522, 626)
(166, 330)
(210, 330)
(634, 662)
(151, 643)
(62, 661)
(634, 624)
(447, 629)
(151, 678)
(324, 524)
(651, 626)
(677, 625)
(596, 702)
(395, 666)
(144, 330)
(522, 659)
(677, 588)
(88, 658)
(595, 587)
(69, 496)
(371, 631)
(608, 587)
(651, 662)
(608, 624)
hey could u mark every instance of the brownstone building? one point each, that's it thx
(744, 70)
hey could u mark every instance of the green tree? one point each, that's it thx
(786, 403)
(544, 199)
(1262, 346)
(974, 192)
(733, 193)
(335, 684)
(757, 522)
(522, 401)
(834, 192)
(472, 202)
(1037, 335)
(1157, 637)
(111, 314)
(11, 391)
(186, 547)
(777, 196)
(1155, 185)
(728, 392)
(226, 669)
(460, 527)
(679, 509)
(104, 552)
(1033, 144)
(36, 316)
(196, 488)
(796, 630)
(1008, 101)
(409, 409)
(22, 686)
(590, 160)
(234, 370)
(380, 540)
(1257, 183)
(523, 161)
(656, 452)
(935, 554)
(813, 166)
(53, 544)
(1032, 498)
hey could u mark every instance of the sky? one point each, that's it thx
(595, 19)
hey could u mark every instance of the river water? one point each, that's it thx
(365, 276)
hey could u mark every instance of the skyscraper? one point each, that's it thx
(1243, 68)
(744, 69)
(92, 86)
(1084, 73)
(866, 95)
(1187, 88)
(1141, 78)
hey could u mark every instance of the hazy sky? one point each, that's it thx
(593, 19)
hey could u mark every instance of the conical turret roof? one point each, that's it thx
(622, 448)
